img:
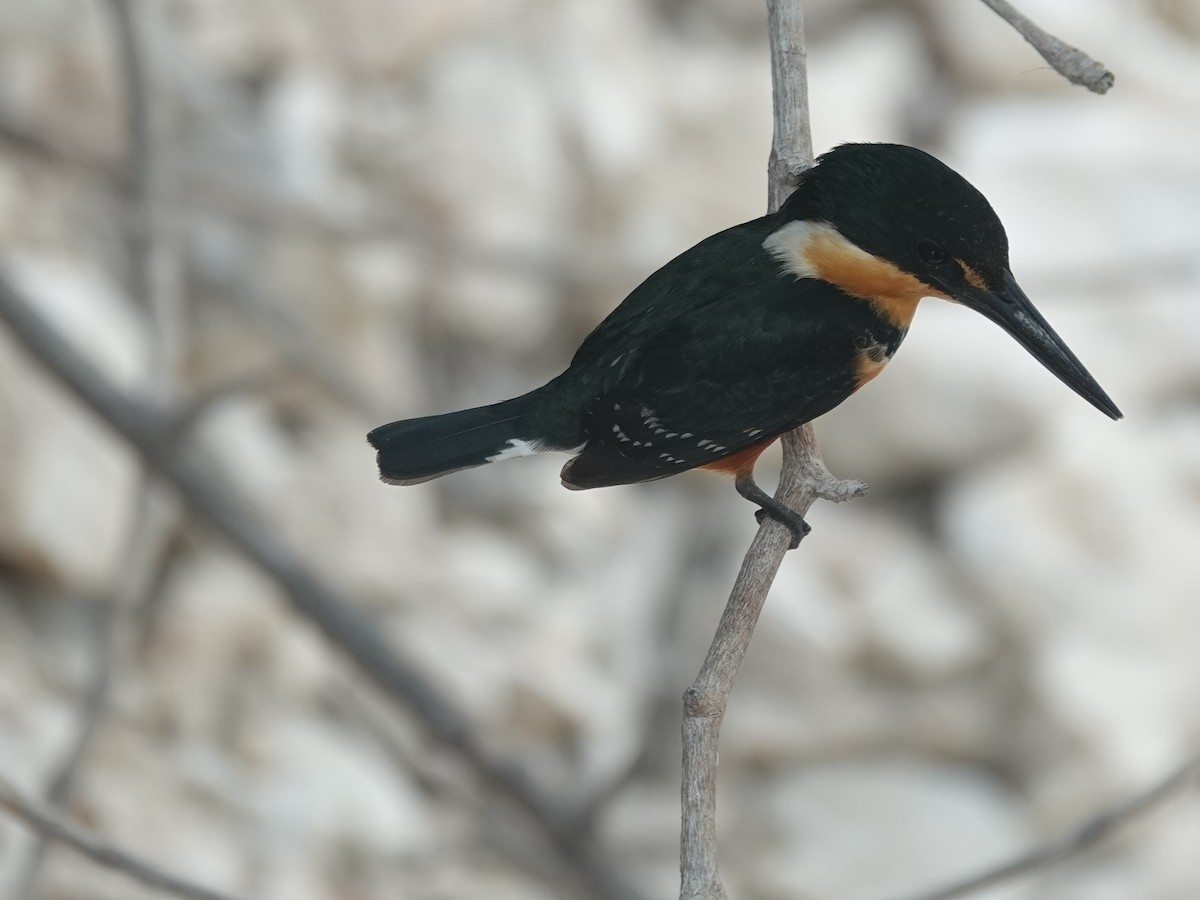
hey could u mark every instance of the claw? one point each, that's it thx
(770, 507)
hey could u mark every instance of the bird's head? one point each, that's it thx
(890, 224)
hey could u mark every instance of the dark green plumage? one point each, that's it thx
(731, 344)
(718, 343)
(764, 355)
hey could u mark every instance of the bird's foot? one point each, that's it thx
(772, 508)
(789, 517)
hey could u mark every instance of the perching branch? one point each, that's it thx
(802, 481)
(804, 478)
(51, 826)
(150, 432)
(791, 136)
(1070, 62)
(1081, 838)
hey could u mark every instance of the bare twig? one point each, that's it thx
(210, 498)
(154, 523)
(154, 272)
(802, 481)
(1081, 838)
(50, 825)
(791, 137)
(1070, 62)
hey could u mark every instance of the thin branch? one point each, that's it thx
(791, 136)
(154, 270)
(802, 481)
(1070, 62)
(154, 523)
(210, 498)
(1083, 837)
(47, 822)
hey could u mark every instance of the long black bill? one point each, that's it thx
(1011, 310)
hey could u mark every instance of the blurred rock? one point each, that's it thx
(1059, 540)
(882, 827)
(876, 596)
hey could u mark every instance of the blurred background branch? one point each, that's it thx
(1083, 837)
(151, 435)
(47, 823)
(156, 287)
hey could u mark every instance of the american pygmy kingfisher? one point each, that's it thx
(753, 332)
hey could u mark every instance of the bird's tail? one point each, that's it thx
(416, 450)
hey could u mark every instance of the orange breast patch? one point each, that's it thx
(818, 250)
(742, 461)
(869, 363)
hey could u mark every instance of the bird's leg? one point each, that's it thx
(769, 506)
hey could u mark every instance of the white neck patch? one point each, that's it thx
(791, 244)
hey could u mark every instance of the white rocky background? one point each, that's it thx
(394, 207)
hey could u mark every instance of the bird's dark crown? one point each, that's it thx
(902, 205)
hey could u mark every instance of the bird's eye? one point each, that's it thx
(932, 254)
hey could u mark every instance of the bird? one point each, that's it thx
(753, 332)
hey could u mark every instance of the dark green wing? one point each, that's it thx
(729, 264)
(722, 376)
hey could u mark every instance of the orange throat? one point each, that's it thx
(818, 250)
